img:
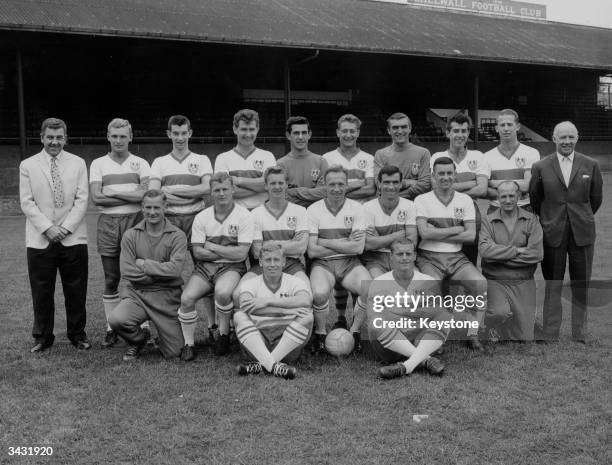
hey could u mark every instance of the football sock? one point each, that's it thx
(341, 300)
(395, 341)
(225, 314)
(320, 317)
(294, 336)
(359, 316)
(209, 310)
(110, 301)
(422, 351)
(188, 325)
(250, 337)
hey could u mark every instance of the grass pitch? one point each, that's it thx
(527, 404)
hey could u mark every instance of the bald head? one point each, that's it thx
(508, 195)
(565, 137)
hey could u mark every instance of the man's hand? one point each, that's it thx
(55, 234)
(371, 230)
(357, 235)
(140, 263)
(406, 183)
(109, 192)
(302, 312)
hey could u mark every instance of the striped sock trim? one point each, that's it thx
(110, 298)
(188, 318)
(246, 331)
(387, 336)
(225, 309)
(296, 332)
(321, 308)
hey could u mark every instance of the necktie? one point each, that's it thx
(58, 189)
(566, 169)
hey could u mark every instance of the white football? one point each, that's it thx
(339, 342)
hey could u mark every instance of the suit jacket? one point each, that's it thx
(37, 199)
(556, 203)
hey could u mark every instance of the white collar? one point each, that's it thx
(48, 157)
(570, 157)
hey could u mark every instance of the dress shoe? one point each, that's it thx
(41, 345)
(82, 344)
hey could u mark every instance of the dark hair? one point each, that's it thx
(389, 170)
(459, 118)
(398, 116)
(403, 241)
(53, 123)
(442, 161)
(296, 120)
(247, 116)
(178, 120)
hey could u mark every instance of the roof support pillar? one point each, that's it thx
(21, 107)
(287, 89)
(476, 117)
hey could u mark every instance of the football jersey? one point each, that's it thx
(290, 286)
(473, 164)
(252, 166)
(360, 166)
(404, 214)
(182, 173)
(386, 285)
(121, 177)
(326, 225)
(512, 168)
(235, 229)
(457, 212)
(268, 227)
(305, 171)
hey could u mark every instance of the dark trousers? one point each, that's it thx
(42, 269)
(553, 269)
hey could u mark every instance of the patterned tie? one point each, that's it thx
(58, 189)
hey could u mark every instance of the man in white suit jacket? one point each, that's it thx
(53, 191)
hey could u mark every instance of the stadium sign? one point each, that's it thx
(497, 7)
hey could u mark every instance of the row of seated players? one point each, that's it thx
(117, 179)
(334, 231)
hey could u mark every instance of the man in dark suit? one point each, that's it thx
(53, 192)
(566, 192)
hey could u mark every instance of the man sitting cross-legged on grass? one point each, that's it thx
(275, 314)
(221, 237)
(152, 257)
(391, 344)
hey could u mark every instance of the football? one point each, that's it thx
(339, 342)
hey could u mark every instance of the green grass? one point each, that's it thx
(527, 404)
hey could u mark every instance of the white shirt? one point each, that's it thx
(566, 166)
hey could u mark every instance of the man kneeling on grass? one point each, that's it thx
(274, 320)
(403, 330)
(151, 261)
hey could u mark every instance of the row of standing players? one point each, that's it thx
(117, 179)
